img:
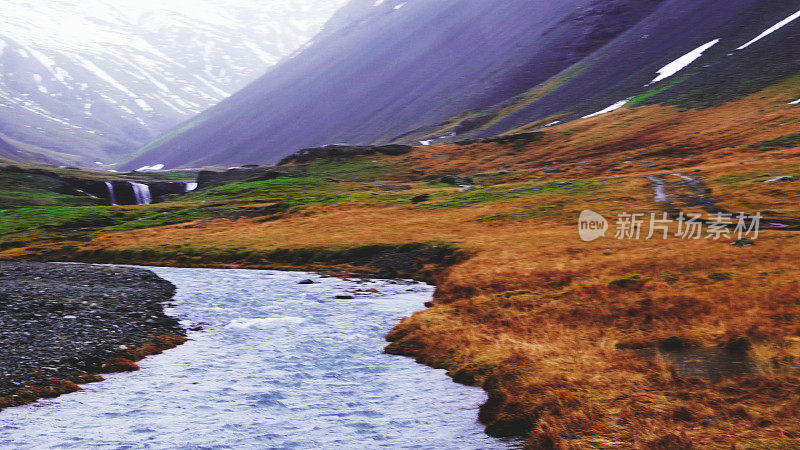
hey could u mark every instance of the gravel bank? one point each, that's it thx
(59, 323)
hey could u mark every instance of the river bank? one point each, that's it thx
(283, 360)
(552, 327)
(62, 324)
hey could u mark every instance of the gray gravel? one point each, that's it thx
(58, 321)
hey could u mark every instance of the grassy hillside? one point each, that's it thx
(580, 345)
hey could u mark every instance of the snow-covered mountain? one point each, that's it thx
(423, 71)
(97, 78)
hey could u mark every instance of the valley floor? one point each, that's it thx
(554, 328)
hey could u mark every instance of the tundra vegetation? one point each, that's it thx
(556, 330)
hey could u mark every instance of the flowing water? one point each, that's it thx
(277, 365)
(111, 197)
(142, 193)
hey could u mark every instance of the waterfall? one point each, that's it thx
(111, 195)
(191, 187)
(142, 193)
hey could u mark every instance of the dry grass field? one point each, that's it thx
(557, 330)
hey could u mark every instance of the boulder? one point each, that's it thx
(780, 179)
(389, 187)
(208, 178)
(420, 198)
(455, 180)
(343, 151)
(743, 243)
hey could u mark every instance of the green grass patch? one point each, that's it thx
(655, 91)
(361, 168)
(21, 219)
(20, 190)
(290, 191)
(22, 226)
(502, 193)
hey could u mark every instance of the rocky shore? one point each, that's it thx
(61, 324)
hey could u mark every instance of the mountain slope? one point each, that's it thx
(392, 71)
(101, 78)
(626, 67)
(381, 67)
(7, 151)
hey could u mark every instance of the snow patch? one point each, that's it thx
(58, 73)
(153, 168)
(260, 53)
(682, 62)
(112, 49)
(771, 30)
(613, 107)
(103, 75)
(143, 104)
(161, 86)
(166, 102)
(219, 91)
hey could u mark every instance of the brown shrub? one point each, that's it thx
(120, 365)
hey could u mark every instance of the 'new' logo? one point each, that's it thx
(592, 226)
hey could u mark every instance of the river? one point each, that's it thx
(277, 365)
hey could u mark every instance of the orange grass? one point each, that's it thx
(55, 388)
(541, 319)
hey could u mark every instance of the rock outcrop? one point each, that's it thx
(123, 190)
(344, 151)
(208, 178)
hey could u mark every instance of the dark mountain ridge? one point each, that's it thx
(404, 72)
(7, 150)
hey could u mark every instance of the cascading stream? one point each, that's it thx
(112, 198)
(142, 193)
